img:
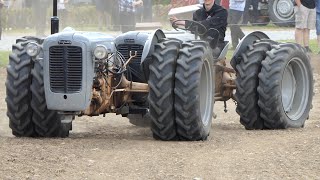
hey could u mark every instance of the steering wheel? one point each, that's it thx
(190, 25)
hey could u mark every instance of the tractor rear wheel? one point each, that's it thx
(247, 81)
(161, 84)
(194, 89)
(285, 87)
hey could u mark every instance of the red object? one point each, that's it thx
(178, 3)
(225, 4)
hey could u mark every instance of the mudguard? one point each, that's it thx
(244, 43)
(148, 50)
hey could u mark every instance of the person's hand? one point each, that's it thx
(138, 3)
(179, 22)
(172, 19)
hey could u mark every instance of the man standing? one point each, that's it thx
(318, 22)
(147, 10)
(1, 6)
(62, 12)
(127, 14)
(254, 13)
(305, 20)
(39, 9)
(102, 8)
(236, 8)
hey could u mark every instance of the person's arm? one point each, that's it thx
(137, 3)
(298, 2)
(178, 23)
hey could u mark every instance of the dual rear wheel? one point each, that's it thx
(274, 86)
(181, 90)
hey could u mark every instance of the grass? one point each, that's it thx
(4, 58)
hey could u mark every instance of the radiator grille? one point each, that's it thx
(65, 69)
(125, 49)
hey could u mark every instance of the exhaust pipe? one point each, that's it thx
(55, 18)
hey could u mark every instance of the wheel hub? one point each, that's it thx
(285, 8)
(295, 88)
(288, 88)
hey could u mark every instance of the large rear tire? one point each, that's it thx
(47, 123)
(247, 81)
(285, 87)
(194, 89)
(161, 84)
(18, 91)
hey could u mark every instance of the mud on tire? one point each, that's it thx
(161, 84)
(247, 81)
(194, 89)
(285, 87)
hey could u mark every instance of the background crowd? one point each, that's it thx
(122, 15)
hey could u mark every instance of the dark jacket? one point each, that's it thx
(216, 18)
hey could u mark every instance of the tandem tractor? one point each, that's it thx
(169, 80)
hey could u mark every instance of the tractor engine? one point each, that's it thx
(84, 74)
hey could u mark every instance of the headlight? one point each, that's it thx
(100, 52)
(33, 49)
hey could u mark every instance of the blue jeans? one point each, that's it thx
(318, 23)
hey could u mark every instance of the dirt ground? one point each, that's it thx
(111, 148)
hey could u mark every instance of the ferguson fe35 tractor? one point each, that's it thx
(174, 82)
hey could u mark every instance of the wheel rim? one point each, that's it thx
(295, 89)
(283, 9)
(206, 98)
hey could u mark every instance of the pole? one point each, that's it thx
(55, 18)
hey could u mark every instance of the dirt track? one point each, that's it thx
(111, 148)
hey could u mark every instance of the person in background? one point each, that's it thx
(1, 7)
(318, 22)
(236, 9)
(127, 14)
(115, 19)
(139, 11)
(62, 12)
(254, 13)
(101, 7)
(147, 10)
(225, 4)
(305, 15)
(39, 9)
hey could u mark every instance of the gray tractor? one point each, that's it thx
(170, 80)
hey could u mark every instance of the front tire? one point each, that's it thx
(194, 89)
(285, 87)
(47, 123)
(18, 91)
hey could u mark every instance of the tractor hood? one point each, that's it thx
(89, 39)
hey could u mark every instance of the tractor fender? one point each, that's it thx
(244, 43)
(153, 38)
(148, 50)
